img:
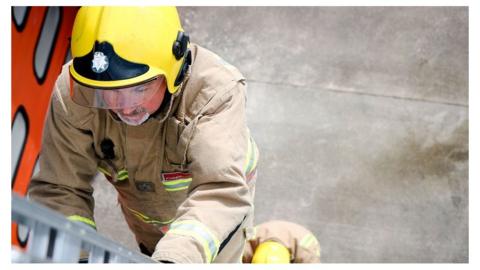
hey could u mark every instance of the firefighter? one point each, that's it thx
(164, 120)
(281, 242)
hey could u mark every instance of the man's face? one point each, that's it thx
(132, 104)
(135, 115)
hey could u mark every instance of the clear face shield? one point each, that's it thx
(116, 98)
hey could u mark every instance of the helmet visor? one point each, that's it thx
(116, 98)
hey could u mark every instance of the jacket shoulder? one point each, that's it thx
(213, 70)
(210, 76)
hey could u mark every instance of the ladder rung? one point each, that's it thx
(97, 255)
(66, 249)
(38, 241)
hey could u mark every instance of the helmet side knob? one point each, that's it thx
(180, 45)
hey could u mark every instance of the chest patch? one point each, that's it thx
(176, 181)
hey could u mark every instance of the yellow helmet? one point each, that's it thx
(118, 47)
(271, 252)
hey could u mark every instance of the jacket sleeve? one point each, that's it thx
(218, 198)
(67, 162)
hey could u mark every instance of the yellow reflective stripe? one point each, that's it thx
(122, 174)
(199, 232)
(308, 240)
(82, 219)
(252, 156)
(255, 160)
(249, 153)
(147, 219)
(176, 189)
(176, 185)
(104, 171)
(175, 182)
(142, 216)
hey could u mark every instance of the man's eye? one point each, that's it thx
(140, 90)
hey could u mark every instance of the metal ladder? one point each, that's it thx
(53, 238)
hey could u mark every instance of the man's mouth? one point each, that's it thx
(132, 116)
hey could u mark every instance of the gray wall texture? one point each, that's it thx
(361, 118)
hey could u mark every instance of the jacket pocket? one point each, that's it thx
(176, 181)
(175, 128)
(176, 184)
(177, 140)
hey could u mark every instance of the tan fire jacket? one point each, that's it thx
(185, 177)
(302, 244)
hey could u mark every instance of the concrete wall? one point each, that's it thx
(361, 118)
